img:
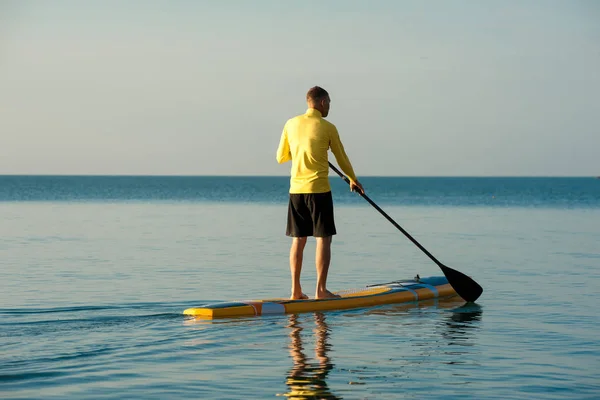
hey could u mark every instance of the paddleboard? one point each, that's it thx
(395, 292)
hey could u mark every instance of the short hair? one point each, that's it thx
(316, 94)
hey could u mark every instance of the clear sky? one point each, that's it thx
(462, 88)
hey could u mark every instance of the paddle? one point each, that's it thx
(466, 287)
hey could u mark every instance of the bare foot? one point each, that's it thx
(326, 295)
(301, 297)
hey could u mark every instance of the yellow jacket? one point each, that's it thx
(305, 141)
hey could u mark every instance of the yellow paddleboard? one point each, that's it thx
(373, 295)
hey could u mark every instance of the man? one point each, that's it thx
(305, 141)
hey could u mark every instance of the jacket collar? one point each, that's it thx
(314, 112)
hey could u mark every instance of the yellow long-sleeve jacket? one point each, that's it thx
(305, 141)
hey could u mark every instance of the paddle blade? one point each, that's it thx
(466, 287)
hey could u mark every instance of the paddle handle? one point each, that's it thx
(423, 249)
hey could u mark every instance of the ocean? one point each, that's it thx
(95, 272)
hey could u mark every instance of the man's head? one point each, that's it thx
(318, 98)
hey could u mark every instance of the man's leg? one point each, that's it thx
(323, 258)
(296, 253)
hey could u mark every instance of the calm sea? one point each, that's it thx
(95, 272)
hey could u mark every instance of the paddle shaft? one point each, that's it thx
(464, 286)
(423, 249)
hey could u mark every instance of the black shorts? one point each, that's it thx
(310, 214)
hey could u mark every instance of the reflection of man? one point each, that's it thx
(306, 379)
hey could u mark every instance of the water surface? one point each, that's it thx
(93, 283)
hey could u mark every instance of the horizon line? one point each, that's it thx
(287, 176)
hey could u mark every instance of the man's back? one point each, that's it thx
(305, 141)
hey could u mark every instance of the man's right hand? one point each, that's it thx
(356, 187)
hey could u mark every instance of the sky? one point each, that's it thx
(418, 88)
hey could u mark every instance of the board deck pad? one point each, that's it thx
(395, 292)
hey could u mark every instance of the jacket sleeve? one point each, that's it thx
(337, 148)
(283, 151)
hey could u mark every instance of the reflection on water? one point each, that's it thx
(460, 323)
(307, 379)
(443, 344)
(403, 309)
